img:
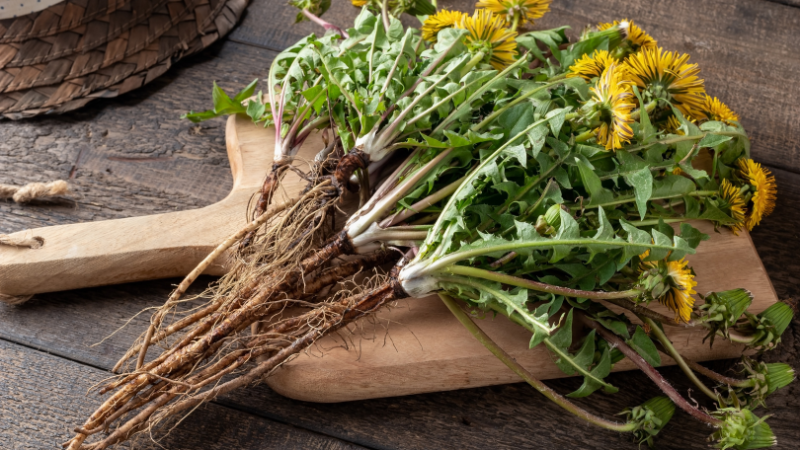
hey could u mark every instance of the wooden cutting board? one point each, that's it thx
(417, 345)
(413, 347)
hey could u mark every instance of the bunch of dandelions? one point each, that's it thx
(541, 179)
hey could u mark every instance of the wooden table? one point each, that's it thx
(133, 156)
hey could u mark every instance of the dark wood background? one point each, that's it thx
(134, 156)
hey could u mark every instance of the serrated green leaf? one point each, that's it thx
(713, 140)
(642, 183)
(518, 152)
(645, 347)
(246, 93)
(600, 371)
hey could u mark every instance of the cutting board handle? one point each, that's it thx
(141, 248)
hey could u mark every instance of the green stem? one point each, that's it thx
(474, 173)
(441, 102)
(371, 55)
(387, 135)
(311, 126)
(394, 67)
(426, 219)
(523, 373)
(648, 108)
(515, 22)
(387, 236)
(514, 317)
(673, 352)
(552, 82)
(471, 64)
(624, 200)
(385, 14)
(422, 204)
(585, 136)
(737, 338)
(667, 141)
(451, 259)
(714, 165)
(536, 285)
(702, 370)
(643, 311)
(640, 223)
(364, 217)
(652, 169)
(467, 104)
(652, 373)
(503, 298)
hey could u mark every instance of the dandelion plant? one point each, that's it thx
(511, 171)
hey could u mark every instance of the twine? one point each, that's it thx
(33, 191)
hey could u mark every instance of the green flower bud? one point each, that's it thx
(547, 224)
(779, 375)
(742, 430)
(763, 379)
(553, 216)
(722, 310)
(766, 328)
(650, 417)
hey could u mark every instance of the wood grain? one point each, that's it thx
(148, 247)
(508, 416)
(134, 155)
(42, 395)
(162, 163)
(432, 351)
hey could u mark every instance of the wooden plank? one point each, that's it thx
(432, 351)
(746, 50)
(151, 246)
(133, 155)
(69, 323)
(43, 396)
(511, 416)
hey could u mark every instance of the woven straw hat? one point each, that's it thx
(65, 55)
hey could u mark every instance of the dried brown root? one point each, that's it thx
(286, 263)
(304, 330)
(271, 183)
(348, 164)
(251, 227)
(323, 189)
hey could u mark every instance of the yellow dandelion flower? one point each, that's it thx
(669, 76)
(359, 3)
(716, 110)
(526, 10)
(680, 281)
(487, 35)
(677, 170)
(672, 125)
(766, 190)
(733, 201)
(438, 22)
(614, 101)
(637, 36)
(679, 297)
(589, 67)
